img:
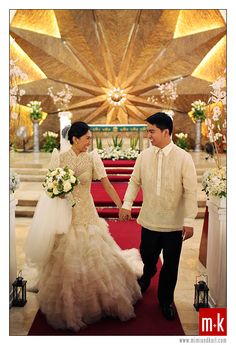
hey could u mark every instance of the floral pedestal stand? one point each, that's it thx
(216, 251)
(36, 135)
(13, 267)
(198, 135)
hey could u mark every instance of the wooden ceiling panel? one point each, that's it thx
(95, 51)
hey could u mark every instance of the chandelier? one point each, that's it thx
(116, 96)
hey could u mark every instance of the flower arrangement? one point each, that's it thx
(16, 77)
(51, 141)
(14, 181)
(62, 98)
(35, 110)
(214, 182)
(116, 153)
(60, 182)
(182, 141)
(198, 111)
(169, 94)
(216, 121)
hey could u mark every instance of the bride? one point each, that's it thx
(83, 275)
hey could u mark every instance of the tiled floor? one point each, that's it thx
(21, 318)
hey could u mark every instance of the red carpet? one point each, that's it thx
(148, 321)
(118, 163)
(112, 171)
(113, 212)
(101, 198)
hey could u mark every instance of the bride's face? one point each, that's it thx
(83, 143)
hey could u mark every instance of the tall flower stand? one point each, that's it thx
(36, 135)
(198, 126)
(13, 268)
(216, 252)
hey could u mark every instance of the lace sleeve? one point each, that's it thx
(98, 168)
(55, 159)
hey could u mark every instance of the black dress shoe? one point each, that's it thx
(144, 284)
(168, 311)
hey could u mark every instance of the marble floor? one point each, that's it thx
(20, 319)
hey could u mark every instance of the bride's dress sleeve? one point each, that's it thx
(52, 217)
(98, 168)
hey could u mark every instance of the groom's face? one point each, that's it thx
(155, 135)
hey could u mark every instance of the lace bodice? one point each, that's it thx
(87, 167)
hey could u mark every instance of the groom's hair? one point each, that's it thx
(77, 129)
(161, 121)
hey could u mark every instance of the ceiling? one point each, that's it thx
(94, 51)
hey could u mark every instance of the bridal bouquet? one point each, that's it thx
(60, 182)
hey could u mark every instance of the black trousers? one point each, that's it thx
(152, 243)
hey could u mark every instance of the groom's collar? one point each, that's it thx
(166, 150)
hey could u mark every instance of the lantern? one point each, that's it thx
(201, 293)
(19, 291)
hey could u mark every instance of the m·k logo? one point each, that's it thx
(212, 321)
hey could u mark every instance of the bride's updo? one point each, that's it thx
(77, 129)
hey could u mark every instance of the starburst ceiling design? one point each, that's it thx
(113, 59)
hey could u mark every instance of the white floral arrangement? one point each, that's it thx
(14, 181)
(181, 135)
(60, 182)
(214, 182)
(50, 134)
(116, 153)
(182, 140)
(35, 110)
(62, 98)
(198, 111)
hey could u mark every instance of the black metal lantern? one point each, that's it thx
(19, 291)
(201, 293)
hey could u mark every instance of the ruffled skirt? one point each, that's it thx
(88, 277)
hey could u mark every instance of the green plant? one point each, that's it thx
(51, 141)
(117, 142)
(99, 143)
(133, 143)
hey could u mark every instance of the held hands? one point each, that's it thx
(124, 214)
(187, 232)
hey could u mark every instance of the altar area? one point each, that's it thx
(32, 166)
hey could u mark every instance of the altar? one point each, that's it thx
(129, 131)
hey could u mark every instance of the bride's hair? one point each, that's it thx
(77, 129)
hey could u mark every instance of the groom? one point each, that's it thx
(168, 179)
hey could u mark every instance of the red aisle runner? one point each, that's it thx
(149, 319)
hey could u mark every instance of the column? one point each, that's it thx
(216, 252)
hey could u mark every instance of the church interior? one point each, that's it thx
(112, 69)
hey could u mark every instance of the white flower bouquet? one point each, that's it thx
(198, 111)
(214, 182)
(14, 181)
(35, 110)
(60, 182)
(182, 140)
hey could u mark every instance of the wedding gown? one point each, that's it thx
(86, 275)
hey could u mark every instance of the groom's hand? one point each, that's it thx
(124, 214)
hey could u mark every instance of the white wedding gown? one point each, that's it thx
(84, 274)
